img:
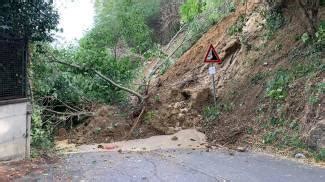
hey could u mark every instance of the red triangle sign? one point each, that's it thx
(212, 56)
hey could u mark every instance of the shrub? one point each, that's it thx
(277, 88)
(211, 113)
(320, 155)
(149, 116)
(41, 135)
(190, 9)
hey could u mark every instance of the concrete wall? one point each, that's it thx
(14, 131)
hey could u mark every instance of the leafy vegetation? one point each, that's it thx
(212, 12)
(149, 116)
(32, 20)
(211, 113)
(59, 89)
(190, 9)
(320, 156)
(277, 87)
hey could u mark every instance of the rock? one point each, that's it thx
(110, 146)
(174, 138)
(200, 98)
(230, 48)
(254, 23)
(300, 156)
(241, 149)
(316, 136)
(62, 134)
(170, 130)
(232, 153)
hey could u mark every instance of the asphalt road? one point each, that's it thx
(177, 165)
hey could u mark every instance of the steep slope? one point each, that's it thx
(251, 60)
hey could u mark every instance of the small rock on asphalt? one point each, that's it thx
(300, 156)
(241, 149)
(174, 138)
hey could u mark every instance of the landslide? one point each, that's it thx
(251, 60)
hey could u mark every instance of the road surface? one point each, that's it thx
(183, 165)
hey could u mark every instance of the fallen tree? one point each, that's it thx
(99, 74)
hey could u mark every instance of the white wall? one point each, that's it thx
(13, 132)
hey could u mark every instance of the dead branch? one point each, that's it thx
(182, 29)
(135, 123)
(71, 114)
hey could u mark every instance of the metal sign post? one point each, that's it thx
(211, 58)
(212, 72)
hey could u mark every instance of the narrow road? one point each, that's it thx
(183, 165)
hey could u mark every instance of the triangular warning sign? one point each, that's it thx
(212, 56)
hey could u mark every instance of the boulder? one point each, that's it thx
(316, 136)
(201, 98)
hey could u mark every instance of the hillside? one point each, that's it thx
(254, 65)
(270, 87)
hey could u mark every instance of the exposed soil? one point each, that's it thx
(177, 98)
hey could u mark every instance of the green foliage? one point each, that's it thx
(320, 155)
(305, 38)
(213, 12)
(238, 26)
(166, 65)
(33, 20)
(277, 121)
(316, 91)
(277, 87)
(320, 36)
(271, 136)
(211, 113)
(274, 21)
(149, 116)
(74, 86)
(125, 20)
(41, 135)
(190, 9)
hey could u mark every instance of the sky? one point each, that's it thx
(76, 17)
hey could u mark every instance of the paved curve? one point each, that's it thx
(177, 165)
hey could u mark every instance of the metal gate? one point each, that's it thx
(13, 60)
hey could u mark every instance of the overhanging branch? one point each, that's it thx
(99, 74)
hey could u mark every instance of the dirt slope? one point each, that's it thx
(179, 96)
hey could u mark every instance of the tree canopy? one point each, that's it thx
(32, 20)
